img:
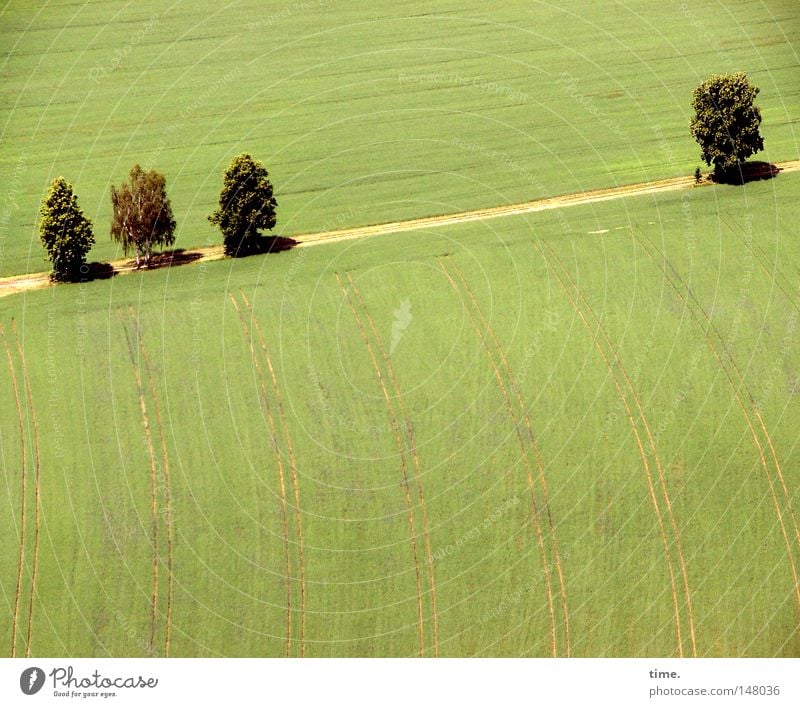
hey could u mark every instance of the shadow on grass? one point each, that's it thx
(747, 172)
(167, 259)
(264, 245)
(173, 258)
(170, 258)
(96, 271)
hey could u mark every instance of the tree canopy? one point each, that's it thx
(246, 205)
(726, 121)
(142, 217)
(64, 231)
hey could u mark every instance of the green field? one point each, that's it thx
(569, 433)
(367, 113)
(229, 592)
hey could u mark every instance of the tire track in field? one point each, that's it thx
(676, 281)
(153, 496)
(739, 375)
(279, 462)
(23, 493)
(526, 461)
(534, 444)
(37, 487)
(645, 464)
(292, 467)
(403, 462)
(167, 493)
(19, 283)
(651, 441)
(413, 446)
(763, 259)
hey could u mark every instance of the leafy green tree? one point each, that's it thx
(726, 121)
(246, 205)
(64, 231)
(142, 217)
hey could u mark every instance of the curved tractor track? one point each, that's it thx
(401, 453)
(28, 428)
(412, 444)
(142, 368)
(635, 413)
(498, 360)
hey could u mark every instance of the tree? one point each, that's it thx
(246, 205)
(726, 121)
(142, 216)
(64, 231)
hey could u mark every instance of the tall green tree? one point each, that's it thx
(246, 206)
(64, 231)
(142, 214)
(726, 120)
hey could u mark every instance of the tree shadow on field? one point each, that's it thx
(170, 258)
(96, 271)
(264, 245)
(747, 172)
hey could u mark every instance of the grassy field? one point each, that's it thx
(366, 113)
(406, 390)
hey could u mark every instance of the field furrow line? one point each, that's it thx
(651, 441)
(24, 462)
(413, 446)
(292, 468)
(677, 283)
(743, 384)
(167, 492)
(37, 487)
(646, 465)
(279, 463)
(523, 449)
(153, 497)
(534, 444)
(403, 463)
(763, 260)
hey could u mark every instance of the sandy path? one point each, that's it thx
(34, 281)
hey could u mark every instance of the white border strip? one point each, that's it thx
(404, 683)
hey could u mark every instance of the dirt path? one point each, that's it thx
(298, 516)
(34, 281)
(415, 457)
(403, 463)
